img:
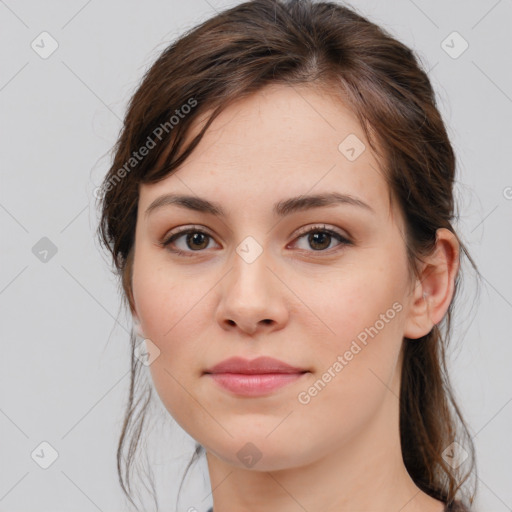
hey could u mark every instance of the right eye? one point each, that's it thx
(195, 240)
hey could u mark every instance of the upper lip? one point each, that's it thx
(255, 366)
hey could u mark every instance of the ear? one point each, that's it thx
(434, 289)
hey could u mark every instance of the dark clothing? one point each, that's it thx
(456, 506)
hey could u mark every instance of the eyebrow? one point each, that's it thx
(281, 208)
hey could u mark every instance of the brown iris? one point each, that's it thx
(197, 237)
(316, 237)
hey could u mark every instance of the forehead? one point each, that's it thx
(279, 142)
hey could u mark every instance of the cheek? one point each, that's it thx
(356, 365)
(172, 309)
(357, 358)
(172, 312)
(164, 298)
(362, 302)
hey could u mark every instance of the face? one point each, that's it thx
(322, 287)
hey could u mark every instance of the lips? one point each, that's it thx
(260, 377)
(258, 366)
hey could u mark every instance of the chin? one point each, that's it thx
(256, 453)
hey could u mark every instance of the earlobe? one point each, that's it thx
(418, 322)
(435, 287)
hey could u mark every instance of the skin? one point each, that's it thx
(341, 451)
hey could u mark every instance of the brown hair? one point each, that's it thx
(321, 44)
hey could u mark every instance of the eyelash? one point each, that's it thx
(318, 228)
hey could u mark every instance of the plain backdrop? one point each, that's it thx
(65, 354)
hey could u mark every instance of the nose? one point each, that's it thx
(252, 298)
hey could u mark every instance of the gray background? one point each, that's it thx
(64, 361)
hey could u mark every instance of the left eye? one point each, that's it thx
(318, 237)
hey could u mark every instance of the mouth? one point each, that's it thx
(258, 377)
(254, 384)
(258, 366)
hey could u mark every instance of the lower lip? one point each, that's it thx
(254, 385)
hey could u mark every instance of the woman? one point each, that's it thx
(279, 210)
